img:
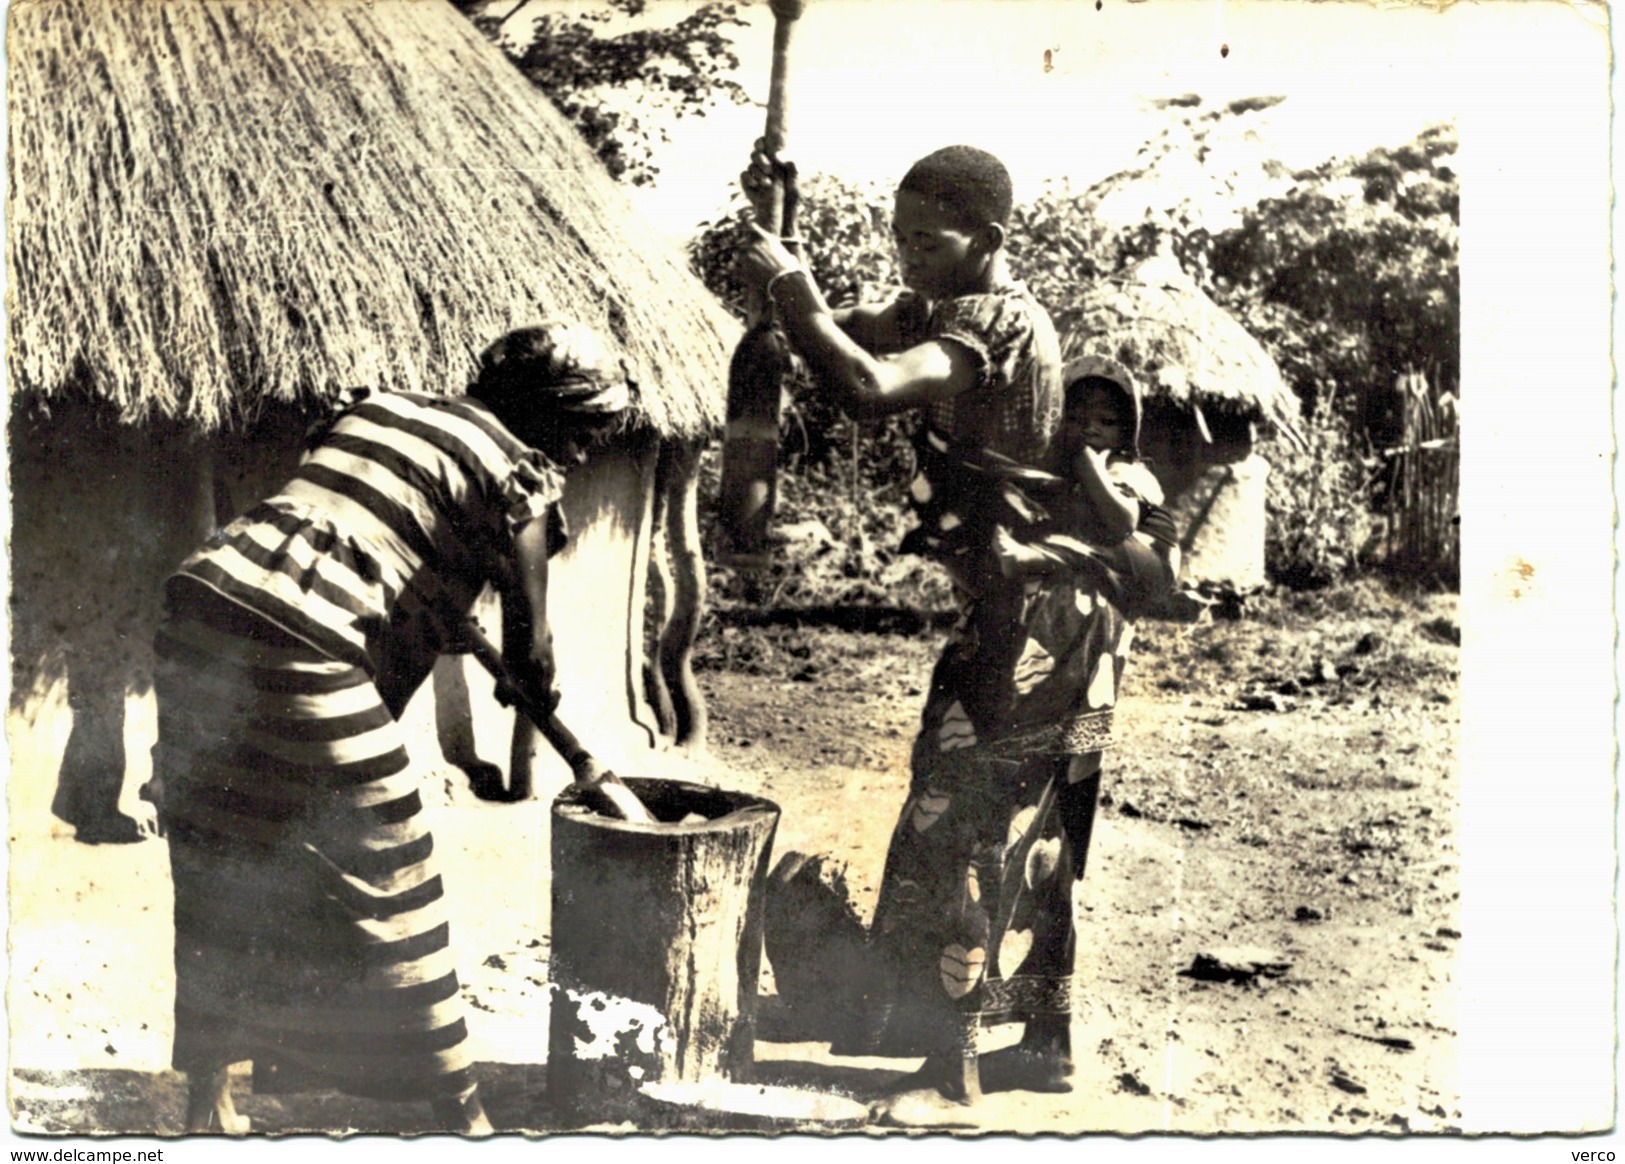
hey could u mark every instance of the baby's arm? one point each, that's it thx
(1117, 513)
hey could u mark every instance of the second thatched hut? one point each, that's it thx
(1212, 394)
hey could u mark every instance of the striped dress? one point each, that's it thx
(311, 934)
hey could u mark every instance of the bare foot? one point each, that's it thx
(209, 1107)
(464, 1115)
(939, 1094)
(487, 782)
(921, 1108)
(113, 829)
(149, 817)
(1021, 1068)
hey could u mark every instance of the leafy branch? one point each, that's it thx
(596, 76)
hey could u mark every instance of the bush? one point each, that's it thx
(1352, 278)
(1056, 246)
(838, 544)
(602, 79)
(1319, 503)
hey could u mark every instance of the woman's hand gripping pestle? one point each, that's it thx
(603, 791)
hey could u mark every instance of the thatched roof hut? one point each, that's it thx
(1210, 390)
(222, 211)
(215, 206)
(1186, 350)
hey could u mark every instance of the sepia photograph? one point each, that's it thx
(860, 568)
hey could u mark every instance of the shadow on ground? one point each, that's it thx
(115, 1102)
(152, 1103)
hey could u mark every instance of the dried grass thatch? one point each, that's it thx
(218, 204)
(1182, 346)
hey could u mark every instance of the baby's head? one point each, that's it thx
(949, 219)
(1102, 408)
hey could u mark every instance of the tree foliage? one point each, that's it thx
(846, 225)
(600, 78)
(1352, 278)
(847, 228)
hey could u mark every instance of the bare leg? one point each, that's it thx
(522, 753)
(463, 1114)
(968, 1078)
(92, 773)
(208, 1104)
(454, 725)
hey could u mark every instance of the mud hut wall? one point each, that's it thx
(101, 514)
(253, 464)
(597, 599)
(1170, 442)
(1215, 491)
(1178, 453)
(1222, 521)
(1232, 441)
(597, 595)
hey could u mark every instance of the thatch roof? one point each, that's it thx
(1179, 344)
(216, 204)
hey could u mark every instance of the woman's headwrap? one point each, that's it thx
(560, 360)
(1099, 367)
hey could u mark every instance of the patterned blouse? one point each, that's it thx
(394, 522)
(1011, 415)
(1015, 407)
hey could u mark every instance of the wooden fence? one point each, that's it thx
(1423, 498)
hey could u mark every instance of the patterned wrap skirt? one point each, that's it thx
(974, 924)
(311, 934)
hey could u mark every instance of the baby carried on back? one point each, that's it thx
(982, 513)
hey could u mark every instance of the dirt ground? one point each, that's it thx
(1268, 930)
